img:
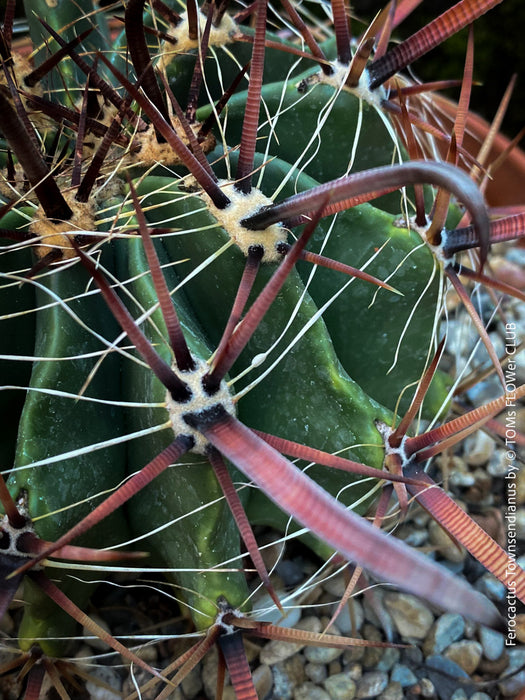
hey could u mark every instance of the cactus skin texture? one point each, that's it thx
(51, 424)
(18, 339)
(330, 359)
(200, 539)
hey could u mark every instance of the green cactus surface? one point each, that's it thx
(221, 247)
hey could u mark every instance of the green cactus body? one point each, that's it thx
(52, 425)
(69, 19)
(223, 66)
(371, 327)
(337, 414)
(44, 623)
(17, 337)
(331, 357)
(335, 130)
(203, 533)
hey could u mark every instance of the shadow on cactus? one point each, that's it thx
(192, 433)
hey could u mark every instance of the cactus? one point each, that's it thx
(204, 300)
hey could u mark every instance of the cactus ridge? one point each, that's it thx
(191, 240)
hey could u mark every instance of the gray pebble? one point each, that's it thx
(264, 608)
(344, 619)
(411, 617)
(485, 391)
(148, 653)
(491, 587)
(335, 585)
(355, 672)
(370, 611)
(310, 691)
(263, 681)
(481, 355)
(444, 544)
(403, 675)
(478, 448)
(462, 478)
(283, 685)
(498, 464)
(372, 655)
(291, 572)
(470, 629)
(460, 337)
(447, 677)
(322, 655)
(107, 675)
(447, 629)
(459, 694)
(340, 687)
(515, 255)
(276, 650)
(393, 691)
(388, 659)
(192, 684)
(412, 657)
(427, 688)
(516, 658)
(316, 672)
(287, 675)
(480, 696)
(416, 538)
(514, 683)
(353, 654)
(84, 657)
(466, 654)
(446, 666)
(377, 613)
(335, 667)
(372, 684)
(492, 642)
(95, 642)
